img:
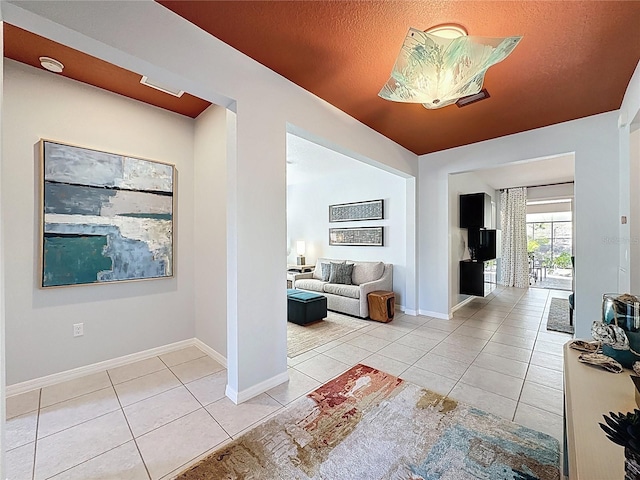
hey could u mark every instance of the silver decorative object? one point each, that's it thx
(364, 236)
(346, 212)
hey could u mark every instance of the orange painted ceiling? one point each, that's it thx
(27, 47)
(575, 60)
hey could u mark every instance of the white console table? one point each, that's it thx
(590, 392)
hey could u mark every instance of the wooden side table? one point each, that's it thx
(382, 305)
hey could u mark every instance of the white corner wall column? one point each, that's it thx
(634, 210)
(433, 252)
(623, 238)
(3, 373)
(411, 249)
(629, 233)
(210, 238)
(256, 232)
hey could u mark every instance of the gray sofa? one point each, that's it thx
(367, 277)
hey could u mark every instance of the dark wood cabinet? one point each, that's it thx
(475, 210)
(472, 278)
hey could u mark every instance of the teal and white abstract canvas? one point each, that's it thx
(105, 217)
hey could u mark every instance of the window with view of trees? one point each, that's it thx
(549, 237)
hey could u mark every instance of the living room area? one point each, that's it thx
(341, 210)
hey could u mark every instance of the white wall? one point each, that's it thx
(550, 192)
(629, 123)
(595, 143)
(634, 210)
(308, 215)
(3, 370)
(120, 318)
(210, 235)
(460, 184)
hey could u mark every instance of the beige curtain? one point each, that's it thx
(515, 261)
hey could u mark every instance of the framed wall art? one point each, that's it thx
(361, 236)
(104, 217)
(347, 212)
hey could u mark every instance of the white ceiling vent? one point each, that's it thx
(158, 86)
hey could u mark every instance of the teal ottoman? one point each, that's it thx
(305, 307)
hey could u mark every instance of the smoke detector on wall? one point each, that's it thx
(51, 64)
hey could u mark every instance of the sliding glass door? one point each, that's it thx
(549, 243)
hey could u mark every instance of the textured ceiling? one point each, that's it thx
(575, 60)
(27, 47)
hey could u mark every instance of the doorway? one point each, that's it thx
(550, 243)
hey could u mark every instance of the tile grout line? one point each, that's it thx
(75, 396)
(35, 440)
(182, 384)
(88, 459)
(478, 354)
(530, 357)
(528, 366)
(132, 379)
(135, 442)
(191, 393)
(81, 423)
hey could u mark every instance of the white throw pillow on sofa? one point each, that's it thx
(364, 272)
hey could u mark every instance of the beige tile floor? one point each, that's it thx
(152, 418)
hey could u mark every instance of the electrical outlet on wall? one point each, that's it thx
(78, 329)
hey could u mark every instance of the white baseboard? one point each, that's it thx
(247, 394)
(462, 304)
(218, 357)
(236, 397)
(428, 313)
(406, 311)
(54, 378)
(231, 393)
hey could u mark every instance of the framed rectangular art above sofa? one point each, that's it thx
(346, 283)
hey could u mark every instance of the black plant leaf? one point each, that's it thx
(634, 431)
(623, 429)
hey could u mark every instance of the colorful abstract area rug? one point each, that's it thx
(367, 424)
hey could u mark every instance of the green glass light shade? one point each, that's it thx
(436, 71)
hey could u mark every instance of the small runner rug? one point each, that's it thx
(558, 319)
(367, 424)
(301, 339)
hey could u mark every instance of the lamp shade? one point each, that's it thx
(300, 247)
(436, 71)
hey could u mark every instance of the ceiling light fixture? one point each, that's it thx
(51, 64)
(163, 88)
(469, 99)
(443, 64)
